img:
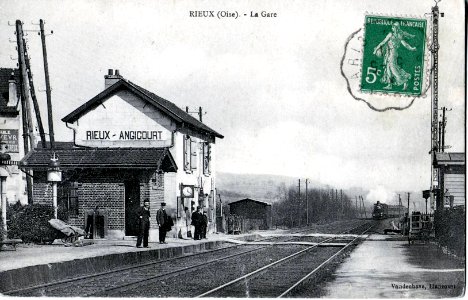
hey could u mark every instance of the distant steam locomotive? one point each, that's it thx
(383, 211)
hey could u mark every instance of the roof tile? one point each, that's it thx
(135, 158)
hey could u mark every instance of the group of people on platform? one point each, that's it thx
(200, 222)
(165, 223)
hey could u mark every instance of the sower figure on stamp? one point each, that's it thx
(143, 214)
(389, 47)
(197, 220)
(161, 218)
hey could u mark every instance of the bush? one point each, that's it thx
(450, 229)
(30, 223)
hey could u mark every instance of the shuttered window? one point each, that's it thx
(191, 150)
(187, 153)
(193, 155)
(206, 158)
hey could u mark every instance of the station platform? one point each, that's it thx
(31, 265)
(385, 266)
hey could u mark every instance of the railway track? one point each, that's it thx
(164, 276)
(287, 274)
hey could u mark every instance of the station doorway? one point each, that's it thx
(132, 203)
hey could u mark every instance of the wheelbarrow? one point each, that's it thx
(69, 234)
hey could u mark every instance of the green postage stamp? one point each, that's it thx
(393, 58)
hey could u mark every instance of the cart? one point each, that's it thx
(67, 233)
(421, 227)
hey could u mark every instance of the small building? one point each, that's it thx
(451, 178)
(11, 133)
(130, 145)
(255, 213)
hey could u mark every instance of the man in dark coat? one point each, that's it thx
(143, 214)
(161, 218)
(197, 220)
(204, 225)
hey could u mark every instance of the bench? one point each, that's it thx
(11, 242)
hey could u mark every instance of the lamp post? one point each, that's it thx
(3, 176)
(54, 175)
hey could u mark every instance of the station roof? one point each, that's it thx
(447, 158)
(249, 200)
(169, 108)
(100, 158)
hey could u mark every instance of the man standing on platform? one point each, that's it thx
(161, 218)
(197, 220)
(143, 214)
(204, 225)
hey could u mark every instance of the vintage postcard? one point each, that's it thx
(248, 149)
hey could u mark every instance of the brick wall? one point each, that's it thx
(42, 190)
(105, 188)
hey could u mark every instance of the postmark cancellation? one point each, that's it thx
(386, 63)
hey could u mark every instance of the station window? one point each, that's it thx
(67, 195)
(206, 158)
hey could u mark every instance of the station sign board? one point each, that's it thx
(10, 139)
(123, 137)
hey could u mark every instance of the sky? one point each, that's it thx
(272, 86)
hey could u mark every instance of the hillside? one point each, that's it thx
(263, 187)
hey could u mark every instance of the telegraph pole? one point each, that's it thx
(25, 109)
(443, 124)
(356, 207)
(341, 201)
(360, 207)
(307, 203)
(408, 204)
(399, 206)
(48, 90)
(33, 98)
(299, 198)
(24, 76)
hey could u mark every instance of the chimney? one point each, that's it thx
(12, 96)
(111, 78)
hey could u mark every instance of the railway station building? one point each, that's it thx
(129, 145)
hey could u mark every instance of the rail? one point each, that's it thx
(244, 277)
(321, 265)
(103, 290)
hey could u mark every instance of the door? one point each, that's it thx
(132, 203)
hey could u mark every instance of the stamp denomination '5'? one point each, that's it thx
(393, 58)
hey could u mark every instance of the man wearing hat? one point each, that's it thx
(197, 220)
(143, 214)
(161, 218)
